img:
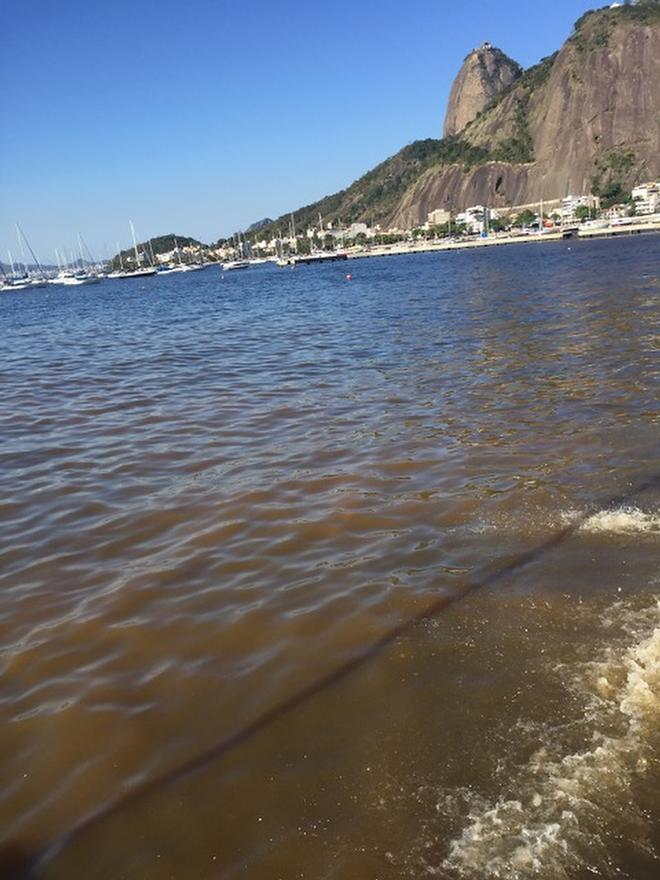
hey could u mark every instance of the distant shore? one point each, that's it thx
(610, 231)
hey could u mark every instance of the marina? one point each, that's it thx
(600, 231)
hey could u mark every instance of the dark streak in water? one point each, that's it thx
(19, 866)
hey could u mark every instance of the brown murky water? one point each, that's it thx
(214, 493)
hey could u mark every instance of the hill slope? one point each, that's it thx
(585, 119)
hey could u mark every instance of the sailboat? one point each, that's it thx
(77, 277)
(177, 267)
(140, 271)
(239, 263)
(24, 281)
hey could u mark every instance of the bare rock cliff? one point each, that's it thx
(601, 96)
(485, 73)
(585, 120)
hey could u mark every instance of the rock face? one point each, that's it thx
(485, 73)
(586, 119)
(453, 188)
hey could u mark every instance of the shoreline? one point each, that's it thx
(501, 241)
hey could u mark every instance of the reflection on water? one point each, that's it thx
(215, 492)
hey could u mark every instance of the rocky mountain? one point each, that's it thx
(485, 73)
(586, 119)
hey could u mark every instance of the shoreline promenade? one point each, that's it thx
(610, 231)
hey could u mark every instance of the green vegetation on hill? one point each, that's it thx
(611, 172)
(519, 148)
(260, 224)
(531, 79)
(162, 244)
(594, 29)
(641, 12)
(376, 195)
(501, 132)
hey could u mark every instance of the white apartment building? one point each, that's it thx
(477, 218)
(647, 198)
(473, 218)
(570, 204)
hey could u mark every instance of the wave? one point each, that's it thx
(621, 520)
(625, 520)
(564, 807)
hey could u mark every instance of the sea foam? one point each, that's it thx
(567, 802)
(620, 520)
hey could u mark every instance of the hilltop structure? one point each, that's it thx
(485, 73)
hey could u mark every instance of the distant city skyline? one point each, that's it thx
(201, 119)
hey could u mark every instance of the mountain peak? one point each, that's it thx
(485, 73)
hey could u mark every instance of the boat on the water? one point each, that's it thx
(22, 284)
(75, 279)
(234, 264)
(133, 273)
(139, 271)
(310, 259)
(25, 279)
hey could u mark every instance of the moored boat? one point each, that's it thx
(133, 273)
(76, 279)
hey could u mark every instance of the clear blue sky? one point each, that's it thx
(202, 116)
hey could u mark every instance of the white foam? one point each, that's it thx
(565, 802)
(622, 520)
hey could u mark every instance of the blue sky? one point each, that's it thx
(200, 117)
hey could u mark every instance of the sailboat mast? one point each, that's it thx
(293, 234)
(22, 237)
(137, 256)
(22, 250)
(90, 257)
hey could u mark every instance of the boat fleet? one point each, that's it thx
(84, 270)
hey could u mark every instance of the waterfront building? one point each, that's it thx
(358, 229)
(439, 217)
(647, 198)
(618, 212)
(477, 218)
(472, 218)
(570, 204)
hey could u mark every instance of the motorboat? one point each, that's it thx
(22, 284)
(76, 279)
(133, 273)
